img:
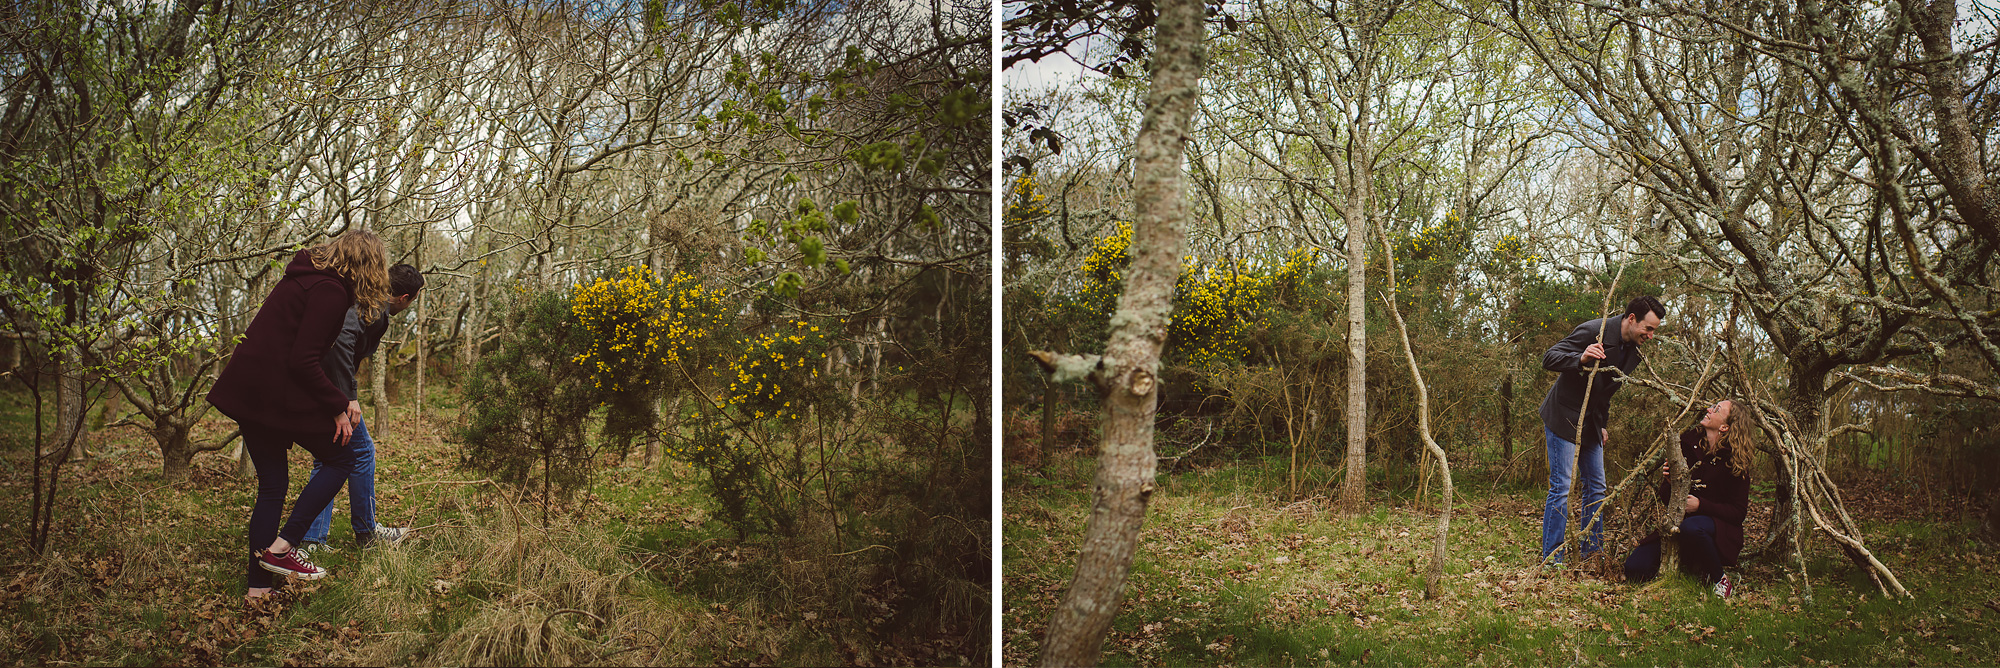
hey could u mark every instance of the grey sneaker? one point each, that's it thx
(310, 549)
(382, 535)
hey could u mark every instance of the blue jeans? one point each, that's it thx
(1555, 510)
(360, 490)
(1698, 554)
(266, 447)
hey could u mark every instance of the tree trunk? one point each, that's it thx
(473, 328)
(106, 412)
(1807, 406)
(378, 385)
(176, 451)
(1676, 507)
(1354, 491)
(1507, 416)
(1433, 581)
(70, 408)
(418, 331)
(1359, 174)
(1126, 373)
(878, 333)
(1048, 444)
(1992, 525)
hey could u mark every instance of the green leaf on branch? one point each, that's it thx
(814, 251)
(882, 156)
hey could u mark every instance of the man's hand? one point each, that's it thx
(1692, 505)
(1603, 436)
(342, 428)
(1594, 351)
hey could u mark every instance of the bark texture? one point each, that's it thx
(1360, 175)
(1126, 374)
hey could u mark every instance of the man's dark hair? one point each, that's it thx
(1638, 307)
(405, 280)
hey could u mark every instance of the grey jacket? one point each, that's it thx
(355, 343)
(1560, 406)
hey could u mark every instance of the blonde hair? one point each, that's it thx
(358, 255)
(1737, 440)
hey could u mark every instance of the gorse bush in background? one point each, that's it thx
(530, 399)
(610, 349)
(1216, 301)
(1257, 336)
(1216, 304)
(643, 337)
(776, 370)
(751, 441)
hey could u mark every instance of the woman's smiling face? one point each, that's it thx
(1717, 417)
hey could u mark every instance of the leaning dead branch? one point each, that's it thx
(1810, 487)
(1432, 581)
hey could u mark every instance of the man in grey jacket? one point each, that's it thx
(356, 342)
(1572, 358)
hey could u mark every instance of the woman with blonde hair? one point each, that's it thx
(278, 394)
(1718, 455)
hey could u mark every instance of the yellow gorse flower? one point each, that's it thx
(770, 364)
(637, 321)
(1104, 267)
(1215, 303)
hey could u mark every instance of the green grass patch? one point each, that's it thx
(636, 570)
(1230, 572)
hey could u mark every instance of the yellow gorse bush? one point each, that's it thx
(1026, 201)
(1214, 305)
(1104, 267)
(1214, 302)
(637, 322)
(771, 376)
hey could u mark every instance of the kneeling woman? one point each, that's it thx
(1718, 455)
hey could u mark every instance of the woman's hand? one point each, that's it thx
(1692, 505)
(342, 428)
(353, 412)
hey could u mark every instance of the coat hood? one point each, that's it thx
(301, 266)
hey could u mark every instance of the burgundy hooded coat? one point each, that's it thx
(274, 377)
(1724, 495)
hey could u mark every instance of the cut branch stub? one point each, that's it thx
(1065, 368)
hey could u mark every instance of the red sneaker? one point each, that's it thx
(290, 563)
(1723, 588)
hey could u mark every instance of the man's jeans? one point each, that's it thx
(360, 490)
(1555, 511)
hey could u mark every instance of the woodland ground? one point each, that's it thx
(637, 572)
(1229, 573)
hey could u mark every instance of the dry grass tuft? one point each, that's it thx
(508, 592)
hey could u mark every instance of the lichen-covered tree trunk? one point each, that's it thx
(1354, 489)
(70, 407)
(1806, 404)
(1676, 505)
(1126, 373)
(176, 449)
(378, 385)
